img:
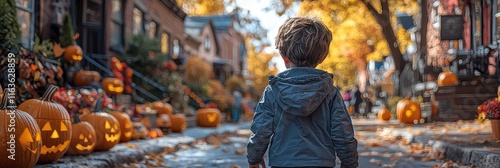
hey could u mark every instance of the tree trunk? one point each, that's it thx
(424, 21)
(391, 39)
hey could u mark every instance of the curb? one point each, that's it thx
(134, 151)
(469, 156)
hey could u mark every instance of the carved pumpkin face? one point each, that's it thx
(112, 86)
(54, 123)
(25, 141)
(107, 129)
(125, 125)
(73, 53)
(83, 139)
(208, 117)
(408, 111)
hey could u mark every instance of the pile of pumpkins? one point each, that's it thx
(407, 111)
(42, 131)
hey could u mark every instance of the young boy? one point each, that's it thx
(301, 114)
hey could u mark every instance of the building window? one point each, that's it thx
(93, 12)
(25, 19)
(176, 50)
(164, 43)
(117, 25)
(477, 23)
(151, 29)
(497, 18)
(207, 43)
(138, 26)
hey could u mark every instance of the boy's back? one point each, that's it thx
(301, 109)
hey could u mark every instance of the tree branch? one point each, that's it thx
(372, 10)
(385, 8)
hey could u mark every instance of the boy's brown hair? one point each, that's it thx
(305, 41)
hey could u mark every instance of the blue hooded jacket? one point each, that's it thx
(303, 118)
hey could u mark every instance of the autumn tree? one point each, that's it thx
(363, 30)
(204, 7)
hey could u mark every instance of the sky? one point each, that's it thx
(269, 20)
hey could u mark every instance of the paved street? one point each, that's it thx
(229, 150)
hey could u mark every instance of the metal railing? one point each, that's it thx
(99, 63)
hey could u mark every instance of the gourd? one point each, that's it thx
(106, 127)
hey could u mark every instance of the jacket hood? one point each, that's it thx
(299, 91)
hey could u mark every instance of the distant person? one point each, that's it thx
(357, 101)
(346, 96)
(301, 114)
(237, 105)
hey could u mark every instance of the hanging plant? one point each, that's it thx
(55, 124)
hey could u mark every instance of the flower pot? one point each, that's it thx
(495, 129)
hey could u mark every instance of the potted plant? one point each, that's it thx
(490, 109)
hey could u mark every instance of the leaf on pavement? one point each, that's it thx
(235, 166)
(374, 144)
(376, 161)
(240, 151)
(130, 145)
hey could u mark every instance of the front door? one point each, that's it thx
(90, 24)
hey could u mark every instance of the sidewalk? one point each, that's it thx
(134, 151)
(467, 142)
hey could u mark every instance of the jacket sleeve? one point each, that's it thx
(342, 133)
(262, 129)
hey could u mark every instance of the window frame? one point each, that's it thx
(120, 22)
(31, 10)
(142, 26)
(167, 42)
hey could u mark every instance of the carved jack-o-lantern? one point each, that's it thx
(73, 53)
(162, 108)
(106, 127)
(408, 111)
(112, 86)
(125, 125)
(83, 138)
(178, 122)
(208, 117)
(139, 131)
(21, 141)
(54, 122)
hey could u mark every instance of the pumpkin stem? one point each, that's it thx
(98, 105)
(49, 93)
(5, 99)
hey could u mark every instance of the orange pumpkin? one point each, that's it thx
(178, 122)
(384, 114)
(55, 124)
(447, 78)
(106, 127)
(208, 117)
(164, 123)
(85, 78)
(73, 53)
(26, 143)
(125, 125)
(162, 108)
(83, 138)
(155, 133)
(408, 111)
(139, 131)
(112, 86)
